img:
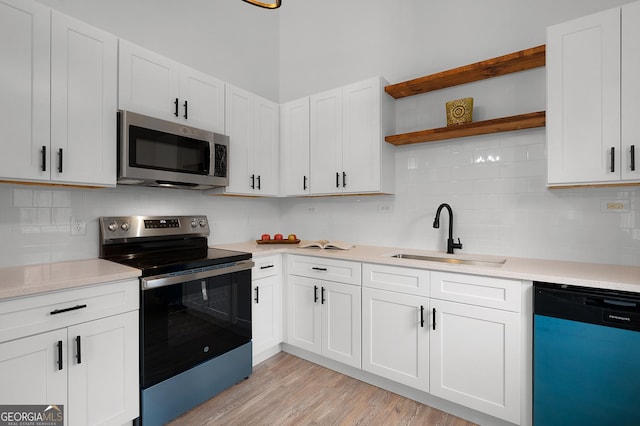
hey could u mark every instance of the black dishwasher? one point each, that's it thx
(586, 357)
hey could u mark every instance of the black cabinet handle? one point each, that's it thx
(315, 268)
(344, 179)
(434, 318)
(78, 350)
(304, 183)
(59, 354)
(633, 158)
(315, 294)
(60, 163)
(44, 158)
(176, 105)
(613, 159)
(186, 111)
(337, 180)
(266, 267)
(253, 181)
(257, 299)
(258, 181)
(422, 316)
(73, 308)
(323, 299)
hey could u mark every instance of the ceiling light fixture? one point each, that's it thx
(272, 5)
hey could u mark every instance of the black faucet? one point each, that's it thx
(436, 224)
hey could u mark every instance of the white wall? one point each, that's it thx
(495, 183)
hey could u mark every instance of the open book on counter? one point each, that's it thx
(325, 244)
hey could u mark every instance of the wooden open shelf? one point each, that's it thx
(513, 62)
(504, 124)
(506, 64)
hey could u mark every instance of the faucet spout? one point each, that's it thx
(451, 245)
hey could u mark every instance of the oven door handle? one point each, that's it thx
(170, 279)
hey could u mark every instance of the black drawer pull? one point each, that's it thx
(60, 164)
(78, 350)
(257, 299)
(613, 159)
(304, 183)
(186, 110)
(315, 294)
(422, 316)
(253, 181)
(73, 308)
(315, 268)
(176, 113)
(259, 182)
(323, 299)
(633, 158)
(337, 180)
(266, 267)
(344, 179)
(59, 354)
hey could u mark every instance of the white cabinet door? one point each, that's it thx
(25, 106)
(148, 83)
(103, 370)
(32, 371)
(204, 97)
(294, 147)
(84, 84)
(361, 136)
(266, 149)
(326, 142)
(252, 125)
(583, 99)
(341, 319)
(395, 336)
(266, 318)
(631, 92)
(239, 126)
(475, 358)
(304, 319)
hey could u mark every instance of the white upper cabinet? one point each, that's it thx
(591, 98)
(155, 85)
(294, 148)
(252, 124)
(24, 111)
(347, 149)
(59, 109)
(84, 83)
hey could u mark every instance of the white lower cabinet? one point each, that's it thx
(88, 363)
(395, 337)
(324, 317)
(475, 358)
(266, 314)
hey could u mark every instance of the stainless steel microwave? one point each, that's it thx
(154, 152)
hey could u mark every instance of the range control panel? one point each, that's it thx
(127, 227)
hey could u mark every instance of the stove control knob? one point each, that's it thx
(203, 223)
(112, 226)
(194, 223)
(125, 226)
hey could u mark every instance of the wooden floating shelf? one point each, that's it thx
(513, 62)
(496, 125)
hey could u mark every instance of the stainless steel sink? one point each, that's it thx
(454, 260)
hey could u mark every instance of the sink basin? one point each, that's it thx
(454, 260)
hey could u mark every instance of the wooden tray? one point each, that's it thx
(283, 241)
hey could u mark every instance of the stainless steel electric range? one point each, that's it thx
(195, 310)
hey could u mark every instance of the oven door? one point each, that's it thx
(194, 320)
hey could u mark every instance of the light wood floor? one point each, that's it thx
(287, 390)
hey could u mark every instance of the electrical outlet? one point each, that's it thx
(385, 208)
(615, 206)
(78, 227)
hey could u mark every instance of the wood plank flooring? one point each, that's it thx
(286, 390)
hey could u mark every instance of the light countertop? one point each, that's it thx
(616, 277)
(16, 281)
